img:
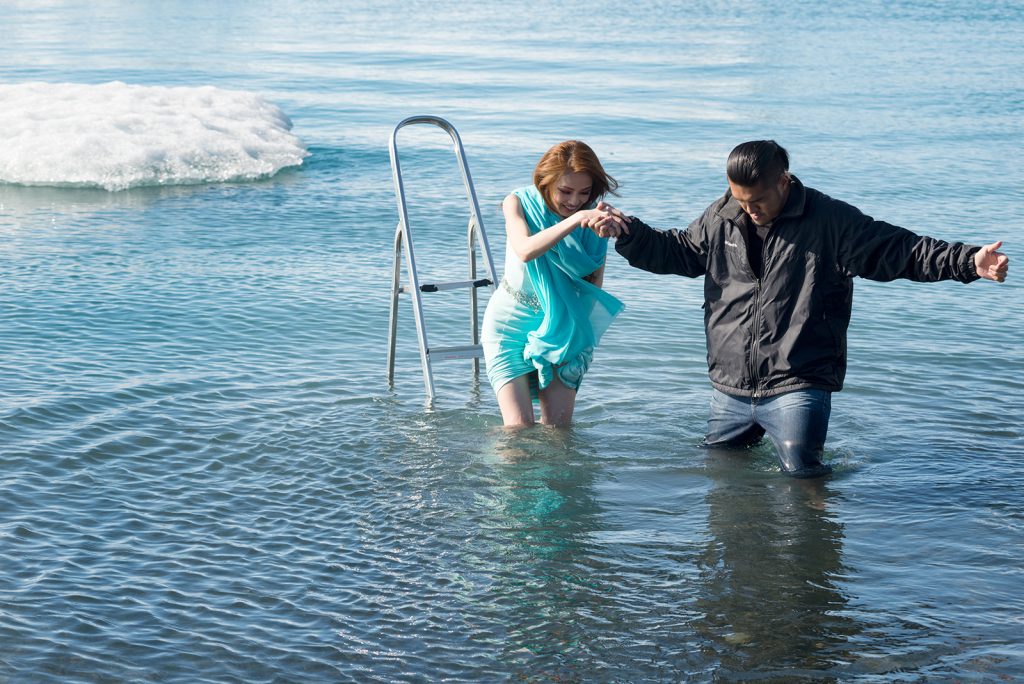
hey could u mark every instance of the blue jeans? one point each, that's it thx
(796, 422)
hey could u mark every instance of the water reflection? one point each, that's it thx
(65, 202)
(548, 509)
(770, 578)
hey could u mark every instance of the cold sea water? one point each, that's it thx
(206, 477)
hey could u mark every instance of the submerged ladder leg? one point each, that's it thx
(474, 325)
(403, 240)
(396, 284)
(417, 310)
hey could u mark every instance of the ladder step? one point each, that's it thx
(454, 285)
(469, 351)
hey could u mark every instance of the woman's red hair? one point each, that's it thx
(571, 156)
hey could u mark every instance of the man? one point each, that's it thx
(778, 261)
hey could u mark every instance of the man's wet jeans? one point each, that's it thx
(796, 422)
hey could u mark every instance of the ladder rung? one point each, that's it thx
(469, 351)
(454, 285)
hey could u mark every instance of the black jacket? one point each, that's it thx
(787, 330)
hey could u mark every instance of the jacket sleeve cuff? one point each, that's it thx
(631, 222)
(968, 271)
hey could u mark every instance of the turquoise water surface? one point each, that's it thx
(205, 476)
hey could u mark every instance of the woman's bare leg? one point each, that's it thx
(515, 402)
(557, 403)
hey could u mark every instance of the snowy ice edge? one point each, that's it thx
(117, 136)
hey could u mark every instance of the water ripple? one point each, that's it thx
(205, 477)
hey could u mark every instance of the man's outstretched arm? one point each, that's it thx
(881, 251)
(673, 251)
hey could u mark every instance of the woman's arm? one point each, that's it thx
(597, 277)
(528, 247)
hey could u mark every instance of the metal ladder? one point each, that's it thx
(475, 235)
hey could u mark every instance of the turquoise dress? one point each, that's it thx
(544, 319)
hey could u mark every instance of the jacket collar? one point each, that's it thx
(795, 203)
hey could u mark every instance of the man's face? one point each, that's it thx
(764, 201)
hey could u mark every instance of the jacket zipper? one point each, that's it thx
(754, 338)
(755, 332)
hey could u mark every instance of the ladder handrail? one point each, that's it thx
(467, 179)
(475, 233)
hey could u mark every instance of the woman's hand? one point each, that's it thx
(606, 221)
(588, 217)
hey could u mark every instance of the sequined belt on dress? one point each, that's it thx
(528, 300)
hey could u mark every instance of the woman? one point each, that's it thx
(546, 317)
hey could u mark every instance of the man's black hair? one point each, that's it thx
(755, 162)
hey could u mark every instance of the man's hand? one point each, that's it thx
(991, 265)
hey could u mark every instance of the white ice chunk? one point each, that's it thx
(118, 136)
